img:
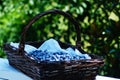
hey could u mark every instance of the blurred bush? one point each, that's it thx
(99, 21)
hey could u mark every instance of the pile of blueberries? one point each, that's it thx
(50, 50)
(40, 55)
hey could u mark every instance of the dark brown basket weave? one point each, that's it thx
(57, 70)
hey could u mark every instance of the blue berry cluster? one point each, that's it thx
(53, 56)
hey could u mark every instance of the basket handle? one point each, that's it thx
(54, 11)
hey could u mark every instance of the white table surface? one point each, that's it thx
(7, 72)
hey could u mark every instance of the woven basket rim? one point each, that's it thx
(96, 60)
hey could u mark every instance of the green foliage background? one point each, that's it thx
(99, 21)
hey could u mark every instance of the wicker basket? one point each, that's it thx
(53, 70)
